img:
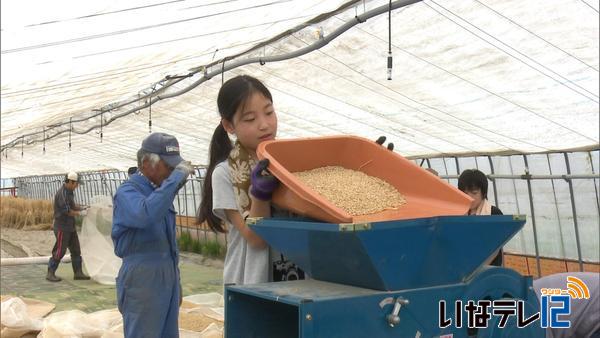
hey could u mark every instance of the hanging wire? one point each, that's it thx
(101, 125)
(389, 58)
(131, 30)
(70, 131)
(264, 53)
(536, 35)
(590, 6)
(477, 86)
(561, 80)
(360, 19)
(223, 73)
(150, 117)
(44, 146)
(22, 141)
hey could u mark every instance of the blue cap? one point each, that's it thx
(165, 146)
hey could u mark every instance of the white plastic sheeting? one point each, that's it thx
(469, 77)
(97, 247)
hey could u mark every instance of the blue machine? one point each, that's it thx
(387, 279)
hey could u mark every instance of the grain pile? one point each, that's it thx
(195, 321)
(353, 191)
(27, 214)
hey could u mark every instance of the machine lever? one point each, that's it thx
(394, 318)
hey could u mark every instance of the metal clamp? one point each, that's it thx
(354, 226)
(394, 317)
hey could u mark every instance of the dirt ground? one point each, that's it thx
(23, 243)
(31, 243)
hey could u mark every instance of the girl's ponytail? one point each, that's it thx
(232, 95)
(220, 147)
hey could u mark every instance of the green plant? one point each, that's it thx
(213, 249)
(196, 247)
(184, 241)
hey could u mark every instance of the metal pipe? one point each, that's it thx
(30, 260)
(575, 224)
(192, 181)
(532, 208)
(595, 185)
(538, 177)
(560, 228)
(229, 66)
(201, 183)
(317, 45)
(493, 182)
(445, 168)
(457, 166)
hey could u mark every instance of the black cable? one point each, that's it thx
(511, 55)
(103, 13)
(590, 6)
(480, 87)
(533, 33)
(430, 107)
(389, 58)
(101, 124)
(131, 30)
(102, 77)
(223, 73)
(390, 28)
(150, 119)
(70, 131)
(186, 38)
(341, 114)
(112, 119)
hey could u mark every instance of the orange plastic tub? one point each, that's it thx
(426, 195)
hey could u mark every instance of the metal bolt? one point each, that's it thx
(308, 316)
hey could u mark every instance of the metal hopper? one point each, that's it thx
(391, 255)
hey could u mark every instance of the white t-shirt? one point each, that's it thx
(243, 263)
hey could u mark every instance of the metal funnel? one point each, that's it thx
(390, 255)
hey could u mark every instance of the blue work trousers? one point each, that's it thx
(148, 295)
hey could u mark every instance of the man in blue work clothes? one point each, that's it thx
(65, 210)
(148, 285)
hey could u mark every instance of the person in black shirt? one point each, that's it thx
(474, 183)
(65, 211)
(131, 171)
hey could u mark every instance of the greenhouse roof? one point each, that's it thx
(469, 77)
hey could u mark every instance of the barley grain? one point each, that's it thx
(353, 191)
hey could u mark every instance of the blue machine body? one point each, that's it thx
(391, 255)
(383, 279)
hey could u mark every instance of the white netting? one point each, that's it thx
(97, 247)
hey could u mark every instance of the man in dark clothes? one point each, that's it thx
(65, 211)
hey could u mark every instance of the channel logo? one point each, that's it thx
(577, 289)
(557, 302)
(555, 308)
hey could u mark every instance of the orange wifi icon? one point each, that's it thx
(577, 288)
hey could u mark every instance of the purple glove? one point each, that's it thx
(263, 183)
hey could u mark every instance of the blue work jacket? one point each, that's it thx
(144, 217)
